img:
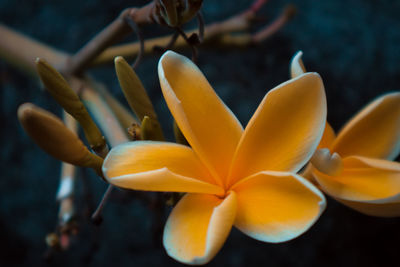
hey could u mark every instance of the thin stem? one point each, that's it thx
(87, 210)
(97, 217)
(113, 132)
(169, 45)
(200, 21)
(136, 29)
(276, 25)
(101, 41)
(192, 46)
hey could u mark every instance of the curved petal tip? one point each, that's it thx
(296, 65)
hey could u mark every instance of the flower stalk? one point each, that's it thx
(66, 189)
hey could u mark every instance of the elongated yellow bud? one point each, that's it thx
(137, 97)
(148, 130)
(58, 87)
(51, 135)
(133, 90)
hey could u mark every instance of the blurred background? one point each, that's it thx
(353, 44)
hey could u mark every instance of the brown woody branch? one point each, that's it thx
(21, 51)
(218, 34)
(114, 32)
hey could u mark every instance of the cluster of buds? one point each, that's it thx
(104, 121)
(175, 13)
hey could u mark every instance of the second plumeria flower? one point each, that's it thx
(355, 167)
(246, 178)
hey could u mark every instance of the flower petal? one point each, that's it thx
(276, 206)
(374, 132)
(158, 166)
(296, 65)
(285, 130)
(364, 180)
(328, 137)
(198, 227)
(208, 125)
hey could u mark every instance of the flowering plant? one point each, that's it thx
(232, 177)
(267, 180)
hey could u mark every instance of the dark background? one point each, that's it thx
(353, 44)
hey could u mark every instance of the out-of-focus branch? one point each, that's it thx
(13, 45)
(114, 32)
(22, 51)
(103, 115)
(66, 226)
(67, 181)
(217, 33)
(66, 194)
(288, 13)
(124, 116)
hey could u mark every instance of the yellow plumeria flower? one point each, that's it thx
(231, 177)
(355, 166)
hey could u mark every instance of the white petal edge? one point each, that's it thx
(296, 65)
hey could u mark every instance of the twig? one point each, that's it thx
(97, 217)
(108, 36)
(168, 46)
(13, 48)
(287, 14)
(218, 33)
(136, 29)
(192, 46)
(22, 51)
(87, 196)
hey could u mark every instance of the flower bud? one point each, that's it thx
(58, 87)
(51, 135)
(174, 13)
